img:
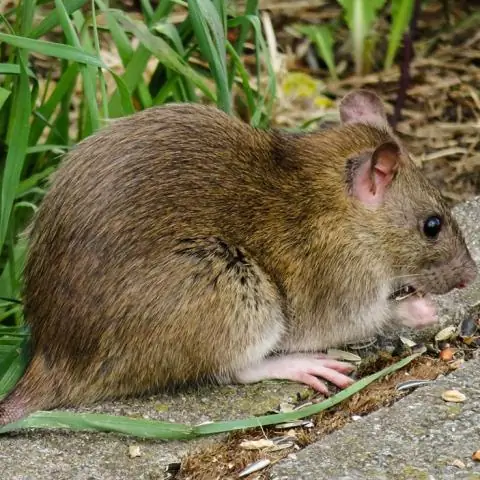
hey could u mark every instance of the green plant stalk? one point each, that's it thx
(103, 86)
(11, 259)
(251, 8)
(43, 114)
(17, 148)
(126, 52)
(52, 20)
(209, 31)
(402, 13)
(132, 76)
(176, 431)
(52, 49)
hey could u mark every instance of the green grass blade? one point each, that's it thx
(147, 10)
(176, 431)
(160, 48)
(119, 37)
(96, 41)
(209, 31)
(35, 178)
(13, 362)
(125, 97)
(360, 15)
(133, 76)
(251, 9)
(88, 75)
(17, 149)
(321, 36)
(45, 112)
(58, 149)
(126, 52)
(52, 49)
(237, 61)
(13, 69)
(104, 423)
(265, 420)
(19, 252)
(4, 94)
(263, 108)
(52, 20)
(401, 15)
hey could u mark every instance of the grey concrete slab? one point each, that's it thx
(63, 455)
(39, 455)
(419, 437)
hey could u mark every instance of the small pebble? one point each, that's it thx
(134, 451)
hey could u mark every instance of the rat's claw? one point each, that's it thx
(302, 369)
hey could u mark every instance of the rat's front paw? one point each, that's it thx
(416, 312)
(299, 368)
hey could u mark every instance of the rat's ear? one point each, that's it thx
(371, 179)
(362, 106)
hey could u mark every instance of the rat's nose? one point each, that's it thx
(462, 285)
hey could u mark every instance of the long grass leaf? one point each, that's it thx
(13, 69)
(160, 48)
(52, 49)
(17, 148)
(265, 420)
(209, 31)
(321, 36)
(176, 431)
(251, 8)
(4, 94)
(133, 75)
(360, 15)
(52, 19)
(401, 14)
(88, 75)
(63, 87)
(126, 53)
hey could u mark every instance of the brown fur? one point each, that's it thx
(180, 245)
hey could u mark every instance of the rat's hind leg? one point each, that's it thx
(239, 321)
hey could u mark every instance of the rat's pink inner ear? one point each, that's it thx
(362, 106)
(374, 176)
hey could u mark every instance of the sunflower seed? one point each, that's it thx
(343, 355)
(254, 467)
(412, 384)
(446, 333)
(453, 396)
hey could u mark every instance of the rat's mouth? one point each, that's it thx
(404, 292)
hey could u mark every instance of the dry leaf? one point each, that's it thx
(256, 444)
(476, 456)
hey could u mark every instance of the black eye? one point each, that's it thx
(432, 226)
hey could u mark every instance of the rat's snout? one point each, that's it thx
(470, 273)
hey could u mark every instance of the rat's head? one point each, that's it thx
(411, 221)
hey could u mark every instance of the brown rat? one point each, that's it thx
(182, 245)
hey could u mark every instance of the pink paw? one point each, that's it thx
(300, 368)
(417, 312)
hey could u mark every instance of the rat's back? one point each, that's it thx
(102, 247)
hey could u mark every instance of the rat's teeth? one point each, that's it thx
(404, 292)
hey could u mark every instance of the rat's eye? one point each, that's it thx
(432, 226)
